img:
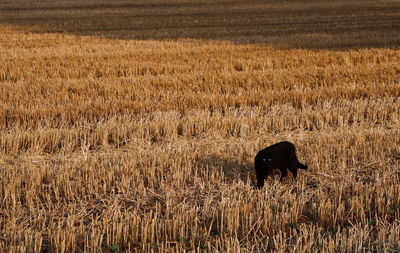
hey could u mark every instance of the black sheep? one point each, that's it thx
(280, 156)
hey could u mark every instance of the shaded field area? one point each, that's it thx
(287, 24)
(115, 138)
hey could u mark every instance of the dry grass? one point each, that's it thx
(148, 145)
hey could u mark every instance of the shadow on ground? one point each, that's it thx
(232, 168)
(310, 24)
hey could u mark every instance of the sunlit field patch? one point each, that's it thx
(137, 131)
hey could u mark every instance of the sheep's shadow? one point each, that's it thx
(232, 169)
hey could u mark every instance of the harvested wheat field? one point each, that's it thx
(132, 126)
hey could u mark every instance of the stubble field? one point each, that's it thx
(132, 126)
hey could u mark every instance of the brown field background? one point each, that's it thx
(131, 126)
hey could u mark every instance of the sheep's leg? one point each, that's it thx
(293, 166)
(294, 172)
(284, 173)
(260, 179)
